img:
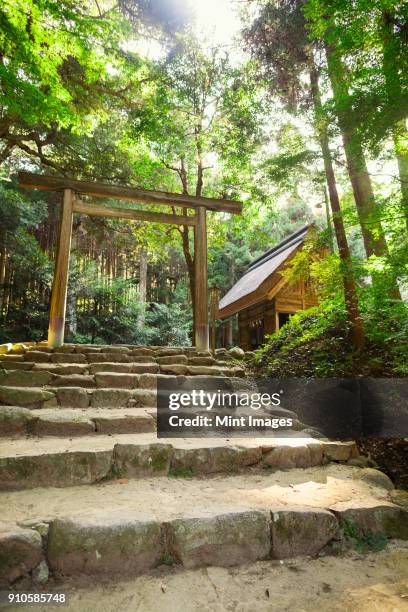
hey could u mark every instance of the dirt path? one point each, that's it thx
(371, 583)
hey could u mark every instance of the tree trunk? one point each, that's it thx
(190, 268)
(142, 285)
(350, 293)
(372, 231)
(185, 236)
(394, 94)
(401, 151)
(72, 319)
(373, 234)
(230, 336)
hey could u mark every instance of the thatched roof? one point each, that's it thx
(260, 270)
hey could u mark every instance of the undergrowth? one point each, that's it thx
(316, 342)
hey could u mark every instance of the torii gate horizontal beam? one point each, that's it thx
(104, 190)
(98, 210)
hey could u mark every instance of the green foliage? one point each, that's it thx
(167, 559)
(111, 318)
(371, 36)
(169, 325)
(27, 315)
(61, 68)
(316, 342)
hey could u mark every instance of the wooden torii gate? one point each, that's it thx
(72, 203)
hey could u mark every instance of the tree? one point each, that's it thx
(62, 70)
(393, 27)
(205, 114)
(323, 26)
(278, 38)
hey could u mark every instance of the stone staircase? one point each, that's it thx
(89, 489)
(91, 385)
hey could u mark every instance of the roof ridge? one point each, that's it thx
(285, 243)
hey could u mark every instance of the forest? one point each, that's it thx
(299, 110)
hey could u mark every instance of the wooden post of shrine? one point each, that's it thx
(60, 282)
(201, 288)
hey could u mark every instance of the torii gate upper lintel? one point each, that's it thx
(72, 189)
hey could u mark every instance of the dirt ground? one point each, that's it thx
(367, 583)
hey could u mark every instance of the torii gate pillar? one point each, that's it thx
(60, 282)
(201, 281)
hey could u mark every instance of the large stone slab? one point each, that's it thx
(340, 451)
(114, 380)
(304, 531)
(224, 539)
(74, 380)
(42, 348)
(144, 398)
(18, 378)
(84, 350)
(121, 368)
(172, 359)
(141, 460)
(201, 370)
(65, 348)
(384, 518)
(108, 358)
(14, 420)
(148, 381)
(20, 552)
(30, 397)
(110, 398)
(64, 424)
(16, 365)
(145, 368)
(68, 358)
(63, 369)
(167, 352)
(216, 459)
(36, 356)
(201, 361)
(143, 359)
(176, 369)
(375, 478)
(125, 423)
(54, 469)
(72, 397)
(142, 352)
(286, 457)
(118, 349)
(119, 543)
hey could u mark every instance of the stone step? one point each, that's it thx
(78, 397)
(40, 389)
(126, 528)
(82, 354)
(17, 422)
(40, 374)
(95, 356)
(37, 462)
